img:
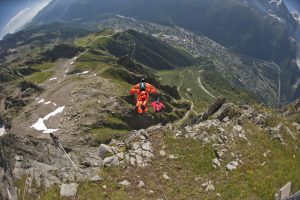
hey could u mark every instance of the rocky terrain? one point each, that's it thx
(68, 128)
(237, 140)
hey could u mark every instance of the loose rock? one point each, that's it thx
(124, 183)
(68, 190)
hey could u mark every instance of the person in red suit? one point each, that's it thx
(143, 90)
(157, 105)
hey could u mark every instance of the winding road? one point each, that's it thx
(202, 87)
(190, 101)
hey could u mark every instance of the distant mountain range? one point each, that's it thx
(259, 28)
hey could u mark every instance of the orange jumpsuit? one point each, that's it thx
(142, 96)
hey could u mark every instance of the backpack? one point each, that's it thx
(142, 86)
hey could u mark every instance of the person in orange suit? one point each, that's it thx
(143, 90)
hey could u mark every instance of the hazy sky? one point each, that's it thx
(14, 14)
(293, 4)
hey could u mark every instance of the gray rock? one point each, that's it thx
(162, 153)
(216, 163)
(124, 183)
(132, 160)
(128, 140)
(155, 127)
(232, 165)
(135, 145)
(141, 184)
(120, 155)
(139, 160)
(151, 192)
(147, 154)
(213, 108)
(210, 187)
(172, 157)
(166, 176)
(105, 151)
(297, 126)
(68, 190)
(147, 146)
(142, 132)
(238, 129)
(19, 158)
(96, 178)
(275, 133)
(113, 160)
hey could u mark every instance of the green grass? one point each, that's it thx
(43, 66)
(253, 181)
(95, 191)
(188, 78)
(40, 77)
(210, 79)
(220, 86)
(92, 62)
(105, 134)
(51, 194)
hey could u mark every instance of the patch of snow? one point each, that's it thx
(296, 15)
(40, 125)
(276, 17)
(55, 112)
(54, 104)
(2, 130)
(11, 50)
(50, 131)
(52, 79)
(82, 73)
(67, 71)
(278, 2)
(123, 17)
(41, 101)
(72, 63)
(48, 102)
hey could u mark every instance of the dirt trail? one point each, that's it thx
(188, 100)
(201, 85)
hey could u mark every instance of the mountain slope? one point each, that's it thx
(146, 50)
(235, 24)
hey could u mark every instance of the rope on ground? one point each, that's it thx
(66, 154)
(56, 141)
(161, 188)
(8, 193)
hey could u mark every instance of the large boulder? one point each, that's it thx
(68, 190)
(213, 108)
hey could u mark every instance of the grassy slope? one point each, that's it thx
(145, 49)
(210, 79)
